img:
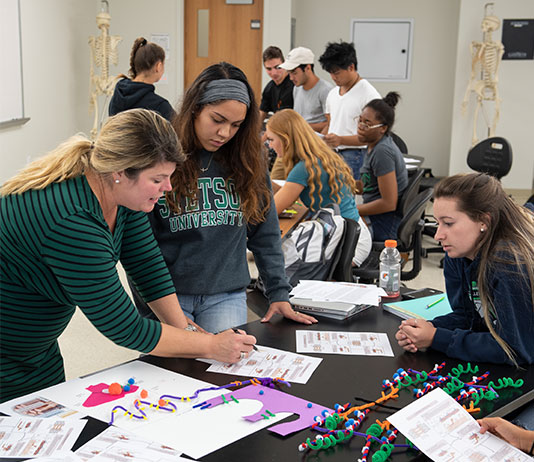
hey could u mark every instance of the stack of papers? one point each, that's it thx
(337, 300)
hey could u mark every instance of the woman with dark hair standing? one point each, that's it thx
(220, 204)
(147, 64)
(489, 274)
(383, 174)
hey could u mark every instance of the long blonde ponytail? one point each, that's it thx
(68, 160)
(131, 141)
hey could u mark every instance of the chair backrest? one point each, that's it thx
(399, 142)
(492, 156)
(342, 269)
(408, 195)
(410, 221)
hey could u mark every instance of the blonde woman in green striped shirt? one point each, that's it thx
(66, 220)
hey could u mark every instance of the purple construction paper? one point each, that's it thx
(274, 401)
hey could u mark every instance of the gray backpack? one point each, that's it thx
(310, 249)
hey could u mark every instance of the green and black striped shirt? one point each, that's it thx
(57, 252)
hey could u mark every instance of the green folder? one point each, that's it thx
(417, 308)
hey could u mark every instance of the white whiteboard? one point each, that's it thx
(11, 95)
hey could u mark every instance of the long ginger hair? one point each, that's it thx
(301, 143)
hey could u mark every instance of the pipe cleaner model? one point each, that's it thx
(164, 402)
(340, 426)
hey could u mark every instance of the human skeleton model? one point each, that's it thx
(486, 56)
(103, 49)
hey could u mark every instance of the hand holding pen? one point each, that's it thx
(237, 331)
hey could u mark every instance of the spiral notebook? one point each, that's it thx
(419, 307)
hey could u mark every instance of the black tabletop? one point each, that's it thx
(338, 379)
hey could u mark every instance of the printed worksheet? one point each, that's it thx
(60, 457)
(442, 429)
(35, 437)
(35, 405)
(343, 343)
(270, 362)
(114, 444)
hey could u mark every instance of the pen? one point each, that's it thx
(430, 305)
(237, 332)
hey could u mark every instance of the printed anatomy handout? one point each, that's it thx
(442, 429)
(35, 405)
(114, 444)
(31, 437)
(270, 362)
(343, 343)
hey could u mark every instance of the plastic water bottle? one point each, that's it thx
(390, 269)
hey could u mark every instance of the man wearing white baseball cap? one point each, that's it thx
(310, 92)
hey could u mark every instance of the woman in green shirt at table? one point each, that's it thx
(66, 220)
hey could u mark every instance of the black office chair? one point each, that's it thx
(342, 263)
(411, 191)
(492, 156)
(409, 239)
(406, 200)
(399, 142)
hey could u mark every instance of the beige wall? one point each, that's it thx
(56, 69)
(276, 28)
(55, 78)
(424, 112)
(516, 86)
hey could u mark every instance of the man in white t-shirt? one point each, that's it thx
(310, 92)
(345, 103)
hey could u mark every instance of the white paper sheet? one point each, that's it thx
(201, 432)
(60, 457)
(445, 431)
(184, 430)
(343, 343)
(35, 405)
(35, 437)
(358, 294)
(270, 362)
(155, 380)
(114, 444)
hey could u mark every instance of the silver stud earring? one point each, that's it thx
(117, 181)
(482, 229)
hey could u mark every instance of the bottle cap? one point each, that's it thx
(390, 243)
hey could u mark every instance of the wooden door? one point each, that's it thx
(235, 36)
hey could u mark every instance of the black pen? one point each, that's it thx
(237, 332)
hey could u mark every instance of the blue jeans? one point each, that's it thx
(384, 226)
(216, 312)
(354, 159)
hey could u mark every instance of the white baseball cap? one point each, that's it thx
(296, 57)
